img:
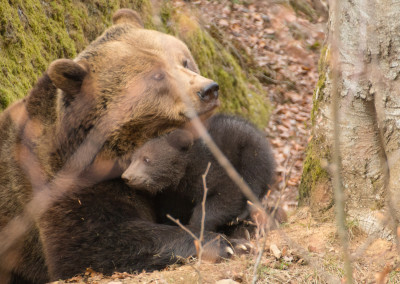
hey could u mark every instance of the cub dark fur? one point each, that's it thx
(171, 168)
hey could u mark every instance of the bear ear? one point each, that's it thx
(180, 139)
(67, 75)
(127, 16)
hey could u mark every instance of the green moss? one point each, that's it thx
(315, 46)
(33, 33)
(313, 172)
(318, 92)
(301, 6)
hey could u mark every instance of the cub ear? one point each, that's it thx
(67, 75)
(127, 16)
(180, 139)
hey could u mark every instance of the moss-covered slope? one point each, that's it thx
(33, 33)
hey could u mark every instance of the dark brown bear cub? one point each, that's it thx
(171, 168)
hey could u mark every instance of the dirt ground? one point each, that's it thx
(286, 43)
(301, 251)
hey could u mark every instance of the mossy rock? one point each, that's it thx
(33, 33)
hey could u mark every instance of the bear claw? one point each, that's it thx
(229, 251)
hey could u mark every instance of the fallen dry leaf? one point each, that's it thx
(312, 248)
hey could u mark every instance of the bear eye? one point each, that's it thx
(146, 160)
(185, 63)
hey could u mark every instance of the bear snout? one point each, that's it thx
(209, 92)
(135, 180)
(126, 177)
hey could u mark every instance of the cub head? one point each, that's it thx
(160, 163)
(130, 85)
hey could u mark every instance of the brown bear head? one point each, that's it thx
(129, 85)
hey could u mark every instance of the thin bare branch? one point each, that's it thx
(198, 241)
(203, 203)
(77, 173)
(183, 227)
(336, 158)
(224, 162)
(258, 261)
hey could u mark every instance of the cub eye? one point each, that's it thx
(158, 76)
(146, 160)
(185, 63)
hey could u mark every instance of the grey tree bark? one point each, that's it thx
(369, 116)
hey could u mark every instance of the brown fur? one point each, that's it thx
(126, 15)
(69, 139)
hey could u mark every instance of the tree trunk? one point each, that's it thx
(369, 116)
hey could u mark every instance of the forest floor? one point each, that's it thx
(301, 251)
(304, 250)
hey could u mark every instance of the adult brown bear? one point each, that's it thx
(71, 134)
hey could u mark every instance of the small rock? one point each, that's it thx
(275, 251)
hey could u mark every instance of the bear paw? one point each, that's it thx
(241, 246)
(222, 248)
